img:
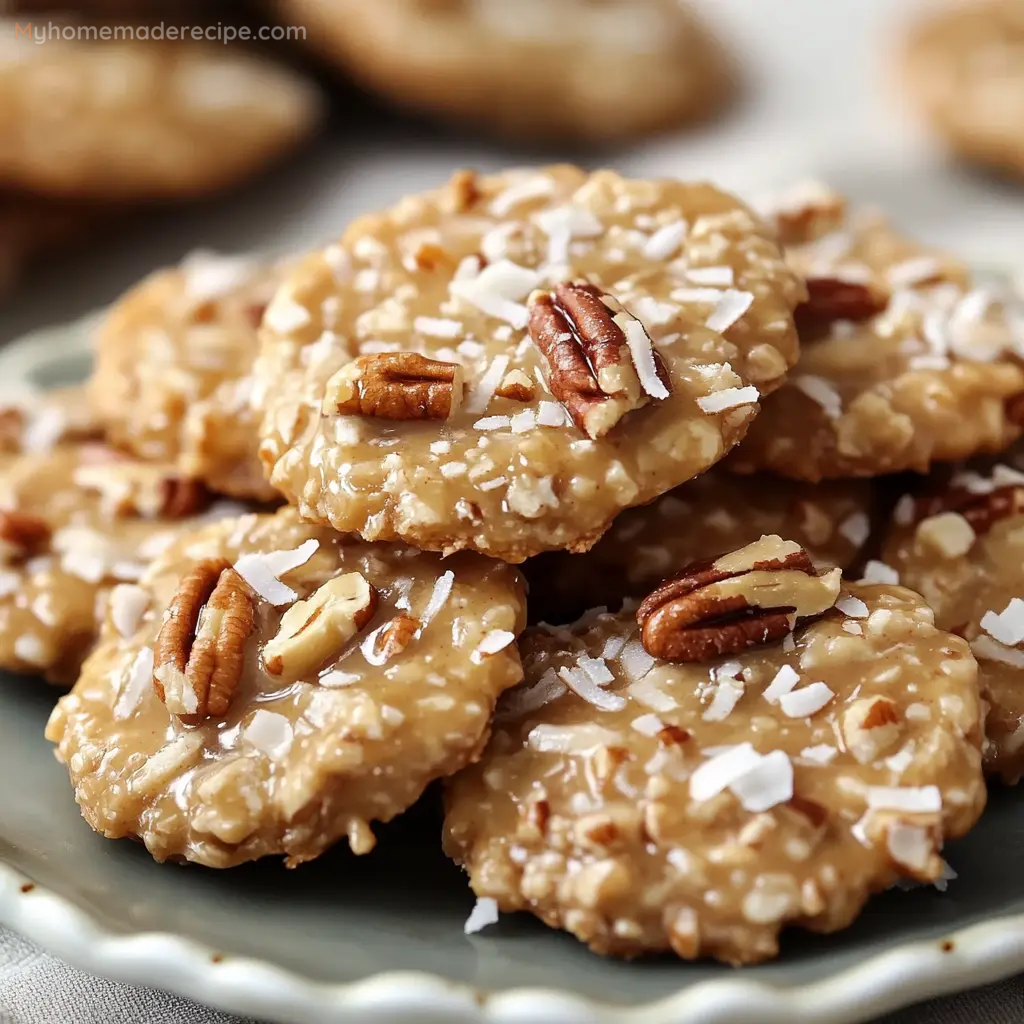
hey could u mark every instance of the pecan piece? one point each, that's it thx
(750, 597)
(22, 535)
(516, 386)
(982, 511)
(831, 299)
(129, 488)
(200, 649)
(582, 334)
(394, 637)
(396, 386)
(314, 630)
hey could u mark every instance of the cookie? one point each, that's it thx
(701, 782)
(173, 370)
(962, 548)
(132, 120)
(716, 512)
(964, 69)
(904, 361)
(272, 687)
(75, 521)
(591, 71)
(507, 363)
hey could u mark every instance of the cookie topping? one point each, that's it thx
(748, 598)
(21, 535)
(200, 650)
(313, 630)
(591, 352)
(396, 386)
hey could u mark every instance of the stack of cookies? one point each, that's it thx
(682, 421)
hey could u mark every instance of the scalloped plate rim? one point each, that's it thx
(982, 952)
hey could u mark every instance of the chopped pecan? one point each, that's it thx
(672, 736)
(463, 191)
(23, 535)
(982, 511)
(200, 649)
(1014, 409)
(750, 597)
(831, 299)
(396, 386)
(591, 370)
(430, 256)
(517, 386)
(182, 496)
(314, 630)
(814, 812)
(810, 215)
(394, 637)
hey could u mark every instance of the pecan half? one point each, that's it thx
(200, 649)
(750, 597)
(982, 511)
(830, 299)
(396, 386)
(591, 369)
(23, 535)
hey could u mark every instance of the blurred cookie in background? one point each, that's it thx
(569, 70)
(964, 68)
(131, 120)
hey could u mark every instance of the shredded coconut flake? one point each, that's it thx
(821, 391)
(496, 640)
(648, 725)
(1008, 626)
(913, 799)
(806, 701)
(987, 649)
(642, 351)
(728, 398)
(488, 383)
(702, 296)
(713, 276)
(438, 596)
(269, 733)
(483, 914)
(536, 187)
(822, 753)
(731, 307)
(854, 607)
(879, 572)
(665, 241)
(263, 571)
(580, 683)
(766, 784)
(786, 679)
(437, 327)
(138, 680)
(526, 699)
(570, 739)
(127, 603)
(498, 290)
(727, 695)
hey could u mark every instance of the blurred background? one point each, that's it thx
(817, 93)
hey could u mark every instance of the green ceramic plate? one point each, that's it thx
(380, 938)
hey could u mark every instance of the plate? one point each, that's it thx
(380, 938)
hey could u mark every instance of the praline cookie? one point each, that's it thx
(904, 361)
(701, 780)
(75, 521)
(964, 67)
(134, 119)
(507, 363)
(962, 548)
(584, 70)
(271, 687)
(717, 512)
(173, 369)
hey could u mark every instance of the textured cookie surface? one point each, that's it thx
(904, 360)
(965, 68)
(173, 370)
(128, 120)
(76, 520)
(507, 363)
(285, 703)
(715, 513)
(586, 70)
(643, 804)
(962, 548)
